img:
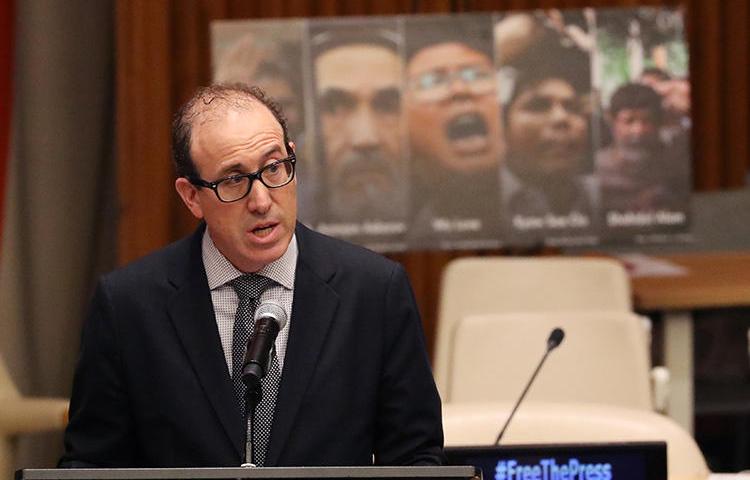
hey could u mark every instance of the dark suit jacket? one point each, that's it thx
(152, 387)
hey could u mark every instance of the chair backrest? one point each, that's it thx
(23, 415)
(603, 359)
(471, 424)
(484, 285)
(7, 447)
(7, 386)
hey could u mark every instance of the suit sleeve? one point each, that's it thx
(100, 430)
(409, 430)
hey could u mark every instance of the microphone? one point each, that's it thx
(269, 319)
(553, 341)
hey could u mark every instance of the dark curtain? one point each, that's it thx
(58, 196)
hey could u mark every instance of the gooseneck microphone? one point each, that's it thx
(553, 341)
(269, 319)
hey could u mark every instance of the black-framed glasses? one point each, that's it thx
(237, 187)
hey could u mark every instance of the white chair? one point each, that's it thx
(20, 415)
(473, 424)
(603, 359)
(497, 285)
(485, 285)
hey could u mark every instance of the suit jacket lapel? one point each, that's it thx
(314, 307)
(191, 312)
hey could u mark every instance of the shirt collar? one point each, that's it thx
(220, 271)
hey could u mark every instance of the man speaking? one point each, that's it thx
(158, 379)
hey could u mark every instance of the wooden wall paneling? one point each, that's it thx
(191, 68)
(244, 9)
(736, 45)
(517, 5)
(271, 9)
(746, 66)
(217, 8)
(324, 8)
(484, 5)
(437, 6)
(705, 73)
(299, 8)
(191, 57)
(400, 7)
(143, 113)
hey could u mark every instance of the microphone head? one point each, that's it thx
(555, 338)
(271, 309)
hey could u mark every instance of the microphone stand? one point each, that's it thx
(269, 319)
(253, 394)
(528, 385)
(553, 341)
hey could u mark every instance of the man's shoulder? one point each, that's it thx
(318, 248)
(155, 266)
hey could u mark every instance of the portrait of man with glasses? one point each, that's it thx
(159, 377)
(454, 127)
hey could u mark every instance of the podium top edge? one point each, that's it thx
(442, 473)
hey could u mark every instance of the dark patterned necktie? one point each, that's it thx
(249, 288)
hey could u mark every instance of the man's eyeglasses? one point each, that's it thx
(435, 85)
(237, 187)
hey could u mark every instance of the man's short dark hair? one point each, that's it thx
(325, 37)
(656, 72)
(636, 96)
(547, 59)
(472, 31)
(229, 95)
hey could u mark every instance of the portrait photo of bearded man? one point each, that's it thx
(357, 83)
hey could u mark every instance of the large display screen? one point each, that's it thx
(470, 131)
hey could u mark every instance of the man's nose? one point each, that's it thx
(259, 199)
(637, 129)
(559, 115)
(458, 87)
(363, 128)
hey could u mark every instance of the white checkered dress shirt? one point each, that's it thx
(220, 272)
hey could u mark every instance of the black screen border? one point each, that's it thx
(654, 453)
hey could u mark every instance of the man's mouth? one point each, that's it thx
(466, 125)
(364, 173)
(561, 149)
(468, 133)
(263, 230)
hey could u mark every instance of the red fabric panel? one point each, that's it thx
(7, 22)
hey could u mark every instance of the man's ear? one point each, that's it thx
(291, 148)
(189, 195)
